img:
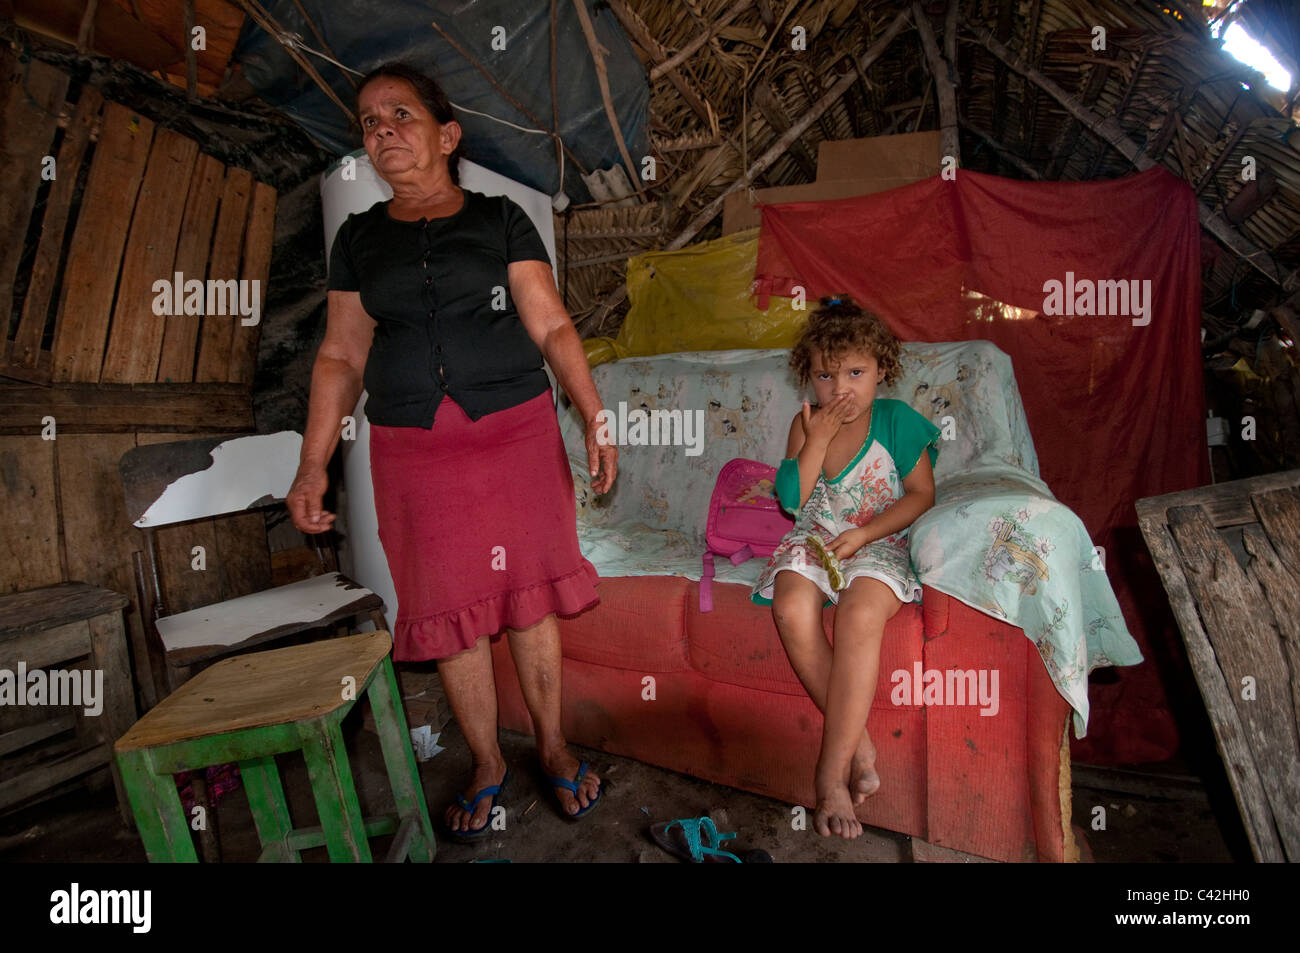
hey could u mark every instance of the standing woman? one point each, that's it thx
(442, 303)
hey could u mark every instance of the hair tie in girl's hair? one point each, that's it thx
(832, 302)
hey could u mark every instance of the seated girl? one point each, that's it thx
(858, 472)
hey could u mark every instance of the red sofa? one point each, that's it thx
(728, 708)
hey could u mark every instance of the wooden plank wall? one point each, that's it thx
(131, 203)
(152, 206)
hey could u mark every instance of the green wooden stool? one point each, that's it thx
(252, 707)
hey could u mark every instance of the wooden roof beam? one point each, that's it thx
(1109, 130)
(948, 138)
(770, 106)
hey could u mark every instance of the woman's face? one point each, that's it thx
(402, 138)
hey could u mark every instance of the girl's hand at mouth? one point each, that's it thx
(821, 425)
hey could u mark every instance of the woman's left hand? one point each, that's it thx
(849, 542)
(602, 460)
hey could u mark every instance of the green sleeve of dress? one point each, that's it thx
(909, 435)
(787, 486)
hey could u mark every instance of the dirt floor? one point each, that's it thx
(1173, 820)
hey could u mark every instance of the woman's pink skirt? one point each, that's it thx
(479, 525)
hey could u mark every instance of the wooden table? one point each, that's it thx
(39, 629)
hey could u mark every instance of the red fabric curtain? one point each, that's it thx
(1116, 410)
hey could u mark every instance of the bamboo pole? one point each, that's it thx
(949, 142)
(1110, 131)
(598, 54)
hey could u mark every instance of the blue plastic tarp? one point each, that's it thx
(365, 33)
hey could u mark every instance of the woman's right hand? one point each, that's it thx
(304, 501)
(821, 425)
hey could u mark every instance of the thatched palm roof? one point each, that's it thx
(726, 84)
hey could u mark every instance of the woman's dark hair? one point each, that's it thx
(431, 95)
(838, 326)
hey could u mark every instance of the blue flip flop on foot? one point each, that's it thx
(493, 791)
(573, 786)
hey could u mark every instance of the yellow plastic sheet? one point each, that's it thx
(697, 299)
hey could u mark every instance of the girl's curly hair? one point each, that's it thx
(840, 326)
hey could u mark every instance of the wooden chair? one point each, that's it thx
(172, 483)
(251, 708)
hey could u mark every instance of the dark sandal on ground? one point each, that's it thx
(494, 791)
(697, 839)
(572, 787)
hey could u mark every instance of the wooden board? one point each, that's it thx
(243, 556)
(184, 587)
(38, 610)
(217, 335)
(1236, 624)
(1281, 587)
(90, 276)
(258, 239)
(1239, 623)
(29, 544)
(121, 408)
(32, 100)
(180, 340)
(49, 251)
(136, 336)
(98, 537)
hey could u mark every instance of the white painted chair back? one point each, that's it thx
(242, 473)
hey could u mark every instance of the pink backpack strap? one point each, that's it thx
(706, 584)
(706, 580)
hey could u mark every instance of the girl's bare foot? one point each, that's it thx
(834, 811)
(863, 779)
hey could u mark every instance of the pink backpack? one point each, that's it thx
(745, 519)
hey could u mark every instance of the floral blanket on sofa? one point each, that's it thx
(996, 538)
